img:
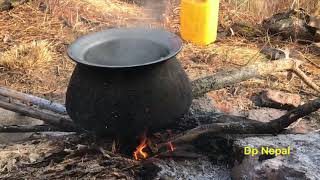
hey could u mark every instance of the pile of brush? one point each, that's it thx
(294, 24)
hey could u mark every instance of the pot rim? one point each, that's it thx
(77, 50)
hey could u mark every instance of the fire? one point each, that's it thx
(171, 146)
(146, 146)
(139, 154)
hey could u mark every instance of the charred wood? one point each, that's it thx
(226, 124)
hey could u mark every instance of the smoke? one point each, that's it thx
(155, 11)
(156, 8)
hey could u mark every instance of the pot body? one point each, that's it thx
(127, 101)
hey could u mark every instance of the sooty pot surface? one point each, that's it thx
(126, 81)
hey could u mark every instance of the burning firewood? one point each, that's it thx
(223, 125)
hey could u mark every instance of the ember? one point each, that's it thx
(139, 154)
(171, 147)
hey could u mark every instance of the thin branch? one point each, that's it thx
(313, 63)
(305, 79)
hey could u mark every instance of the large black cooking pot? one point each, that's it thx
(126, 81)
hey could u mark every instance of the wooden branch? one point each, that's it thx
(284, 121)
(226, 78)
(57, 120)
(305, 78)
(312, 62)
(223, 79)
(239, 125)
(24, 128)
(34, 100)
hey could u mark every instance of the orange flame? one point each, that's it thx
(171, 146)
(139, 154)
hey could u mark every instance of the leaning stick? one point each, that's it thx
(34, 100)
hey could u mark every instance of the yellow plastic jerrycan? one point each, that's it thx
(199, 21)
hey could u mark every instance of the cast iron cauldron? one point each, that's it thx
(126, 81)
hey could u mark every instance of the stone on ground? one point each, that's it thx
(303, 162)
(265, 114)
(278, 100)
(12, 118)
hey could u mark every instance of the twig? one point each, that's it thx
(305, 78)
(312, 62)
(292, 7)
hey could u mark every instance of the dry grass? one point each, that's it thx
(84, 16)
(61, 21)
(27, 57)
(23, 27)
(262, 8)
